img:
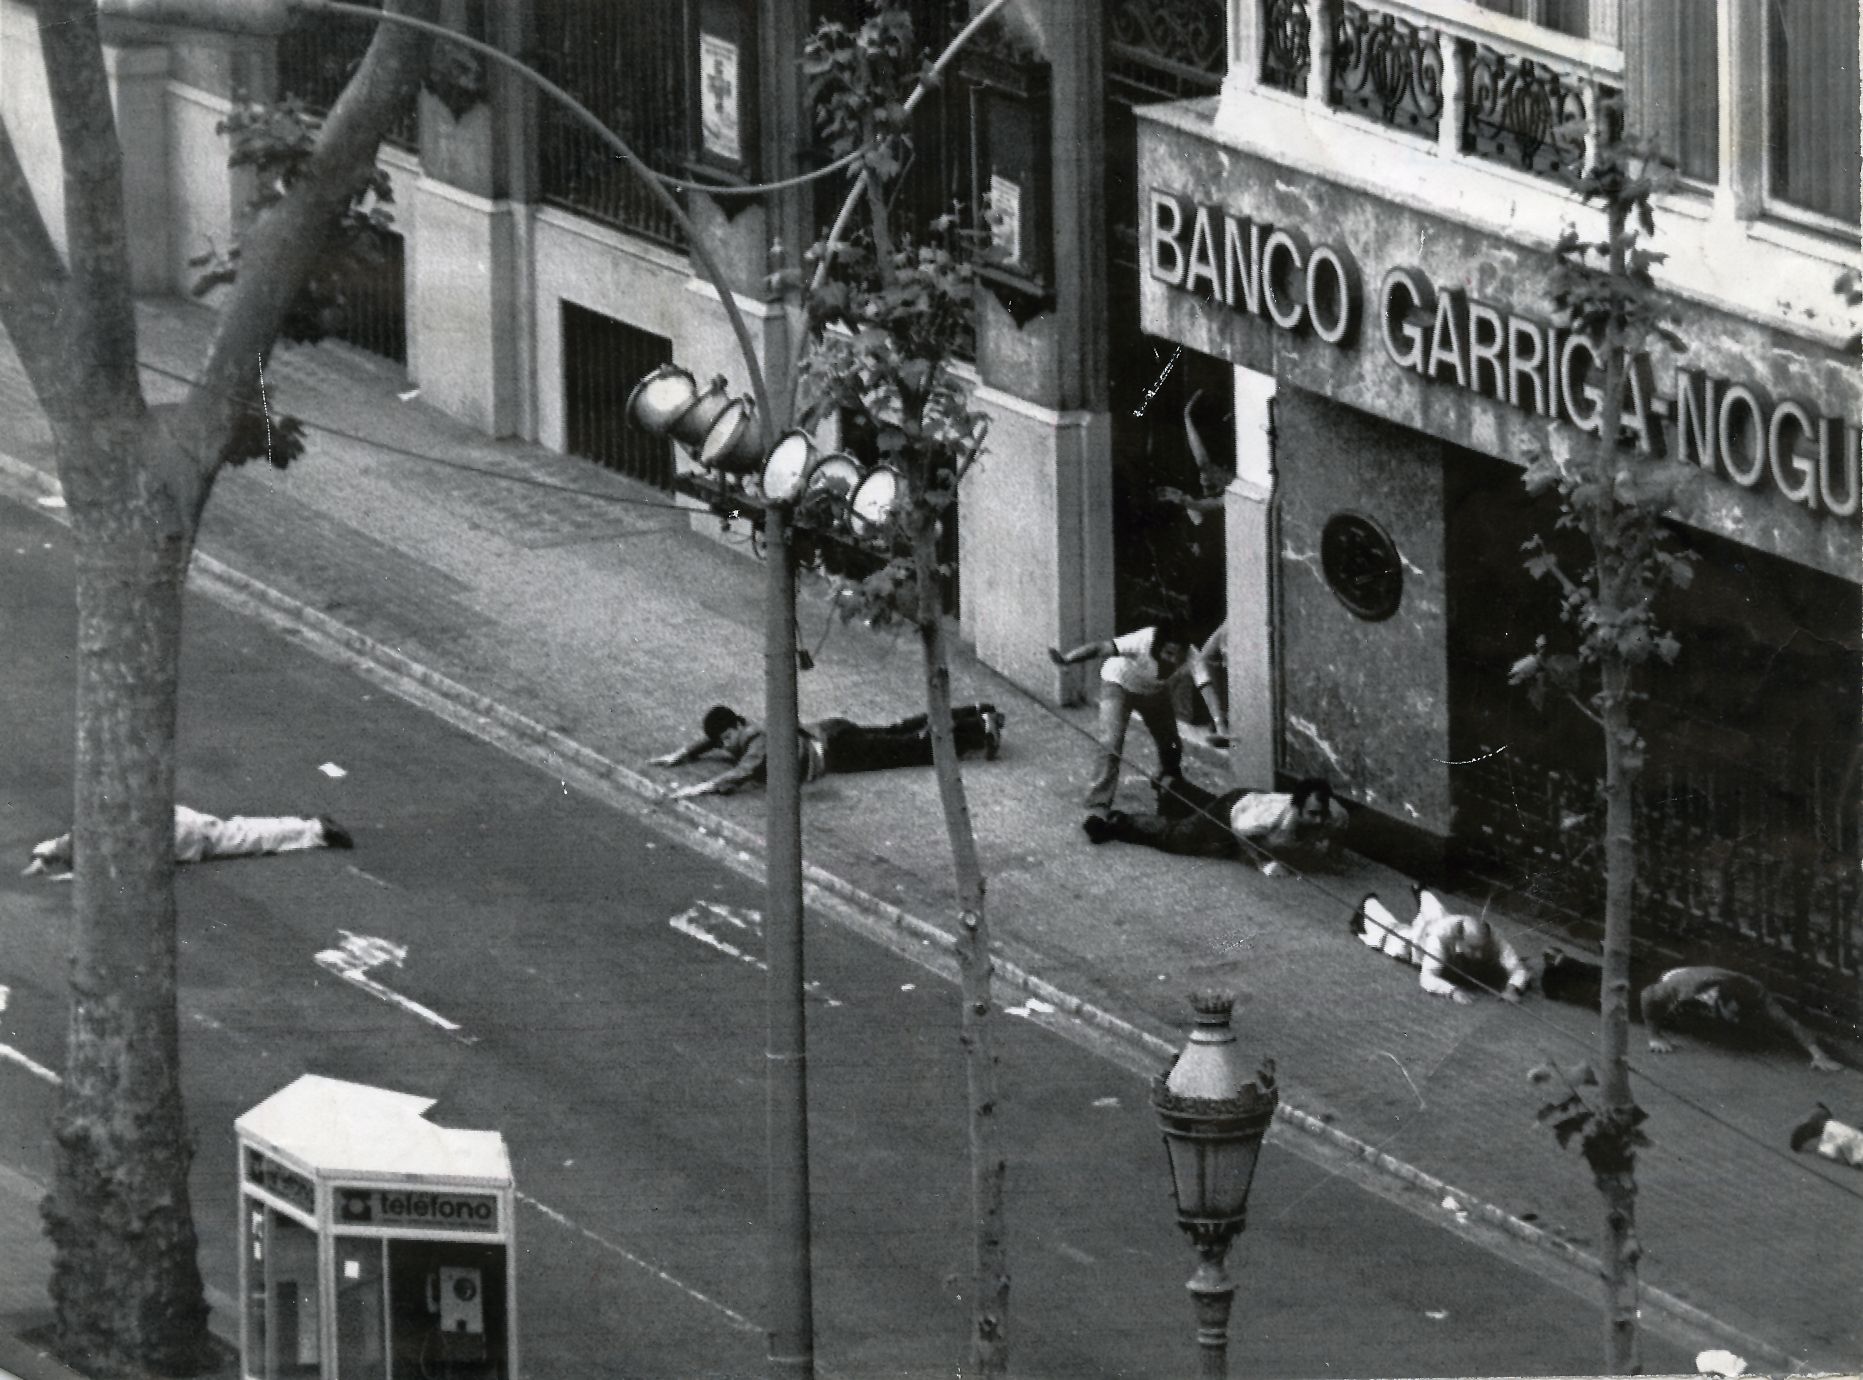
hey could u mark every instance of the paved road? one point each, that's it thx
(616, 1041)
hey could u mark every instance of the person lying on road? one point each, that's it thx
(1444, 946)
(1247, 825)
(1724, 999)
(829, 745)
(200, 837)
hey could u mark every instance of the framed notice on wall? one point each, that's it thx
(723, 95)
(720, 93)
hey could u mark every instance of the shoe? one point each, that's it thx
(1219, 740)
(334, 834)
(992, 734)
(1098, 828)
(1811, 1127)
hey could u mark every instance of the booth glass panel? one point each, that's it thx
(361, 1310)
(447, 1311)
(282, 1321)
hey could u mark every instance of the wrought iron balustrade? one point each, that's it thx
(1525, 113)
(1526, 98)
(1387, 69)
(1184, 42)
(1286, 52)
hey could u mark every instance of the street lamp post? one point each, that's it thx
(1214, 1117)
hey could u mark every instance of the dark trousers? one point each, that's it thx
(848, 746)
(1190, 822)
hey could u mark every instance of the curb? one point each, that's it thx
(245, 594)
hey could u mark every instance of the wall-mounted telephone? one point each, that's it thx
(457, 1294)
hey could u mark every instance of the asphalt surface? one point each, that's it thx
(618, 1046)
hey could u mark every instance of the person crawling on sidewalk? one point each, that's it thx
(1827, 1136)
(200, 837)
(1717, 997)
(1450, 949)
(1252, 826)
(829, 745)
(1723, 999)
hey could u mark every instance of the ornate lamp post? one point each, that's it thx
(1214, 1117)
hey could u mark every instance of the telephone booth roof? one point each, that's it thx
(335, 1129)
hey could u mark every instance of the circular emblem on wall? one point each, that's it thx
(1361, 566)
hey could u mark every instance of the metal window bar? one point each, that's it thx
(630, 64)
(602, 360)
(373, 293)
(319, 54)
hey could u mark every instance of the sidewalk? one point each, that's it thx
(573, 597)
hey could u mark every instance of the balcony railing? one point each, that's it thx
(1469, 82)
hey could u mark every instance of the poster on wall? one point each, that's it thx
(1006, 218)
(720, 124)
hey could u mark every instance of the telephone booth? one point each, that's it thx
(377, 1245)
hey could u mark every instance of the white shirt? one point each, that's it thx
(1133, 667)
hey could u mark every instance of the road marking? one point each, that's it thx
(693, 921)
(31, 1065)
(738, 1320)
(361, 952)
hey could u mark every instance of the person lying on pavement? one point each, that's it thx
(1836, 1140)
(200, 837)
(1450, 950)
(1252, 826)
(829, 745)
(1724, 1000)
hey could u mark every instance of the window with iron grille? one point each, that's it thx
(320, 53)
(630, 64)
(602, 360)
(373, 291)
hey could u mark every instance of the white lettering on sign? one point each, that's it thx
(430, 1209)
(1726, 427)
(287, 1184)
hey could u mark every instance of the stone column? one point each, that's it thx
(463, 274)
(1036, 534)
(139, 82)
(1249, 538)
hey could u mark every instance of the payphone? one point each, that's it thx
(377, 1245)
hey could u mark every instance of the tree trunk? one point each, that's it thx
(125, 1283)
(989, 1285)
(1623, 758)
(1618, 1187)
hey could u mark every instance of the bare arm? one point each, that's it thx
(1429, 953)
(1820, 1061)
(1518, 974)
(1085, 652)
(695, 749)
